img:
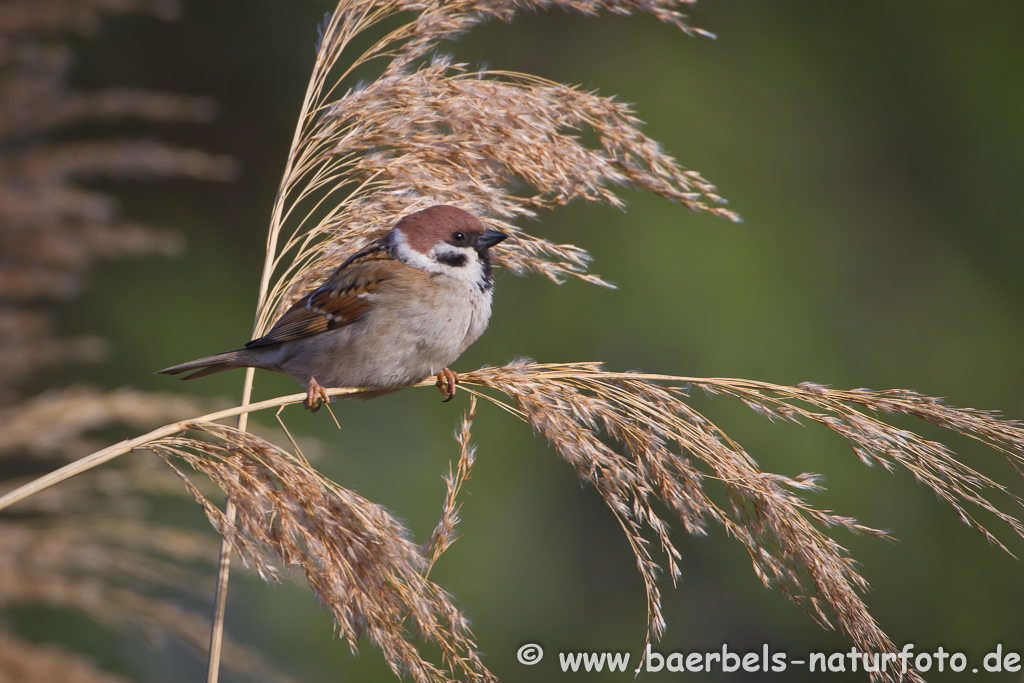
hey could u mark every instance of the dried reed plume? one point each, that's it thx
(60, 550)
(669, 452)
(425, 130)
(111, 568)
(356, 556)
(53, 229)
(637, 440)
(31, 663)
(498, 144)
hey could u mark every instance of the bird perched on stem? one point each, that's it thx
(399, 310)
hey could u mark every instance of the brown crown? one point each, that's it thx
(424, 229)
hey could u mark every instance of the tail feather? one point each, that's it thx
(211, 364)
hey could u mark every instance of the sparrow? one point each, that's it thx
(399, 310)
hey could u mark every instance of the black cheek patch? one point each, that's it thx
(453, 260)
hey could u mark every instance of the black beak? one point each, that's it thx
(489, 239)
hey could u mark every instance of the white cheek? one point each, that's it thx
(472, 272)
(414, 258)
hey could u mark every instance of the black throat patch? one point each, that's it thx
(453, 260)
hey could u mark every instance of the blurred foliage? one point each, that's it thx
(875, 152)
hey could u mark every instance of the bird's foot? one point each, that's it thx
(446, 381)
(315, 395)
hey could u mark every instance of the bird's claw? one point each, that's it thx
(446, 381)
(315, 395)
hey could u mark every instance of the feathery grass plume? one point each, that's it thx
(59, 551)
(444, 532)
(27, 662)
(40, 17)
(634, 437)
(358, 559)
(51, 228)
(498, 144)
(503, 145)
(579, 407)
(109, 568)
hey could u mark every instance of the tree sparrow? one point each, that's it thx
(401, 309)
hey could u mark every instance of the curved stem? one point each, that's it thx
(127, 446)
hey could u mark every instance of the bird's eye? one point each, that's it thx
(458, 236)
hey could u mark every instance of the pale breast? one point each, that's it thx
(416, 327)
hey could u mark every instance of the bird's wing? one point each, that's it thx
(344, 298)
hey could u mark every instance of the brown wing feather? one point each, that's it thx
(343, 299)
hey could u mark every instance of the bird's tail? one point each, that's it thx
(211, 364)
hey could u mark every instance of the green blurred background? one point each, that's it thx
(876, 153)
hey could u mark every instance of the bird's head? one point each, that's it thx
(445, 239)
